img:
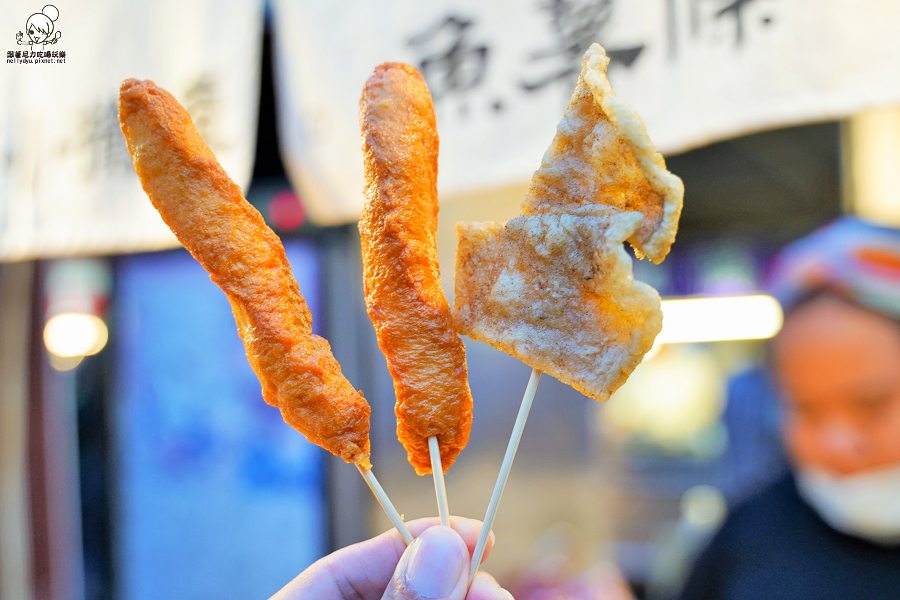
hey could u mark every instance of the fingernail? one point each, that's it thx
(437, 562)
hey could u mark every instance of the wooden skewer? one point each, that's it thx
(440, 490)
(514, 439)
(386, 504)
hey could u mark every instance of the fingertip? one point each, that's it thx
(419, 525)
(469, 530)
(485, 587)
(434, 566)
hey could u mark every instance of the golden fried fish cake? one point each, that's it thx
(556, 291)
(554, 287)
(601, 155)
(412, 318)
(210, 216)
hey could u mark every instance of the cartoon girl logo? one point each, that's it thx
(39, 28)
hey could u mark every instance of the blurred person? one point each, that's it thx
(434, 567)
(831, 527)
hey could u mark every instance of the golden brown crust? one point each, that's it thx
(554, 287)
(588, 163)
(404, 298)
(210, 216)
(556, 291)
(602, 156)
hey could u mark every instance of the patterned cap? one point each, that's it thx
(850, 257)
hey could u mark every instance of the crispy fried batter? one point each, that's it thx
(554, 287)
(556, 291)
(210, 216)
(404, 298)
(602, 155)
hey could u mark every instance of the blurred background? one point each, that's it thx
(137, 458)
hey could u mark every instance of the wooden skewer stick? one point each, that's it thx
(440, 490)
(386, 504)
(514, 439)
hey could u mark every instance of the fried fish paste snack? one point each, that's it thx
(412, 318)
(210, 216)
(554, 287)
(602, 156)
(557, 292)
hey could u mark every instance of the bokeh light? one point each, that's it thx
(285, 211)
(671, 399)
(704, 506)
(71, 335)
(720, 319)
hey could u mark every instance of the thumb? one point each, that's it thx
(435, 566)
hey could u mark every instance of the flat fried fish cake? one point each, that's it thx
(556, 291)
(554, 287)
(211, 218)
(412, 318)
(601, 156)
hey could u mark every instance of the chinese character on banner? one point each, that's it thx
(202, 102)
(72, 187)
(576, 25)
(717, 21)
(451, 61)
(734, 9)
(500, 73)
(101, 136)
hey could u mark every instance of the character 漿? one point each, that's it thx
(577, 24)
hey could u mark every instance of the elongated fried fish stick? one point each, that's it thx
(404, 298)
(210, 216)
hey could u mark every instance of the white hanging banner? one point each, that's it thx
(501, 73)
(67, 185)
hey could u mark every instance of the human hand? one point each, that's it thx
(435, 566)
